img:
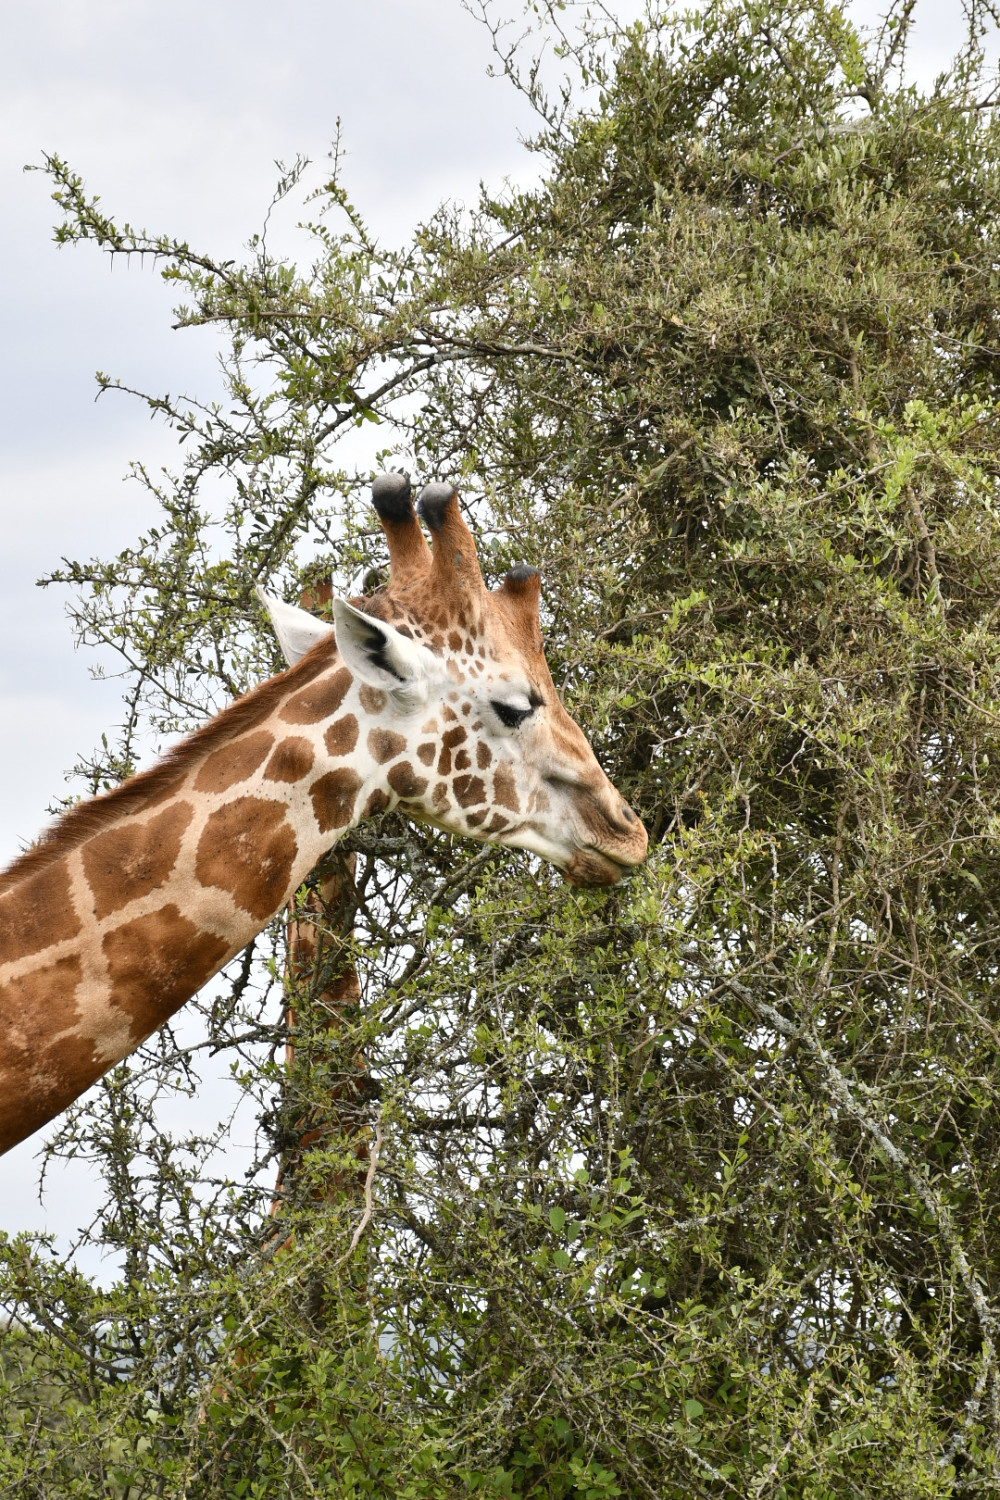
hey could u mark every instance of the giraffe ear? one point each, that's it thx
(378, 654)
(297, 630)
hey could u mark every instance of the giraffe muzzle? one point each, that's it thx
(605, 861)
(610, 836)
(593, 867)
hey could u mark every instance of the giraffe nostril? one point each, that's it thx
(628, 814)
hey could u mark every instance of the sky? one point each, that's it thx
(176, 115)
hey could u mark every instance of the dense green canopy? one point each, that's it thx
(690, 1188)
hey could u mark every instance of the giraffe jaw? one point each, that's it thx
(580, 866)
(583, 867)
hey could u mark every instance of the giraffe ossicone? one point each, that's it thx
(431, 694)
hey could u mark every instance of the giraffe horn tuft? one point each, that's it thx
(519, 579)
(522, 588)
(434, 502)
(392, 497)
(409, 554)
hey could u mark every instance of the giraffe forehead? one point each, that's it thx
(477, 662)
(478, 635)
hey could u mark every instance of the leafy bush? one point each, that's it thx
(690, 1188)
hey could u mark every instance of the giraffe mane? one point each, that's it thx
(84, 819)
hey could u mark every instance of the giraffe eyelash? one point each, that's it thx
(509, 716)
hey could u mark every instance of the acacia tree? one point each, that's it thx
(689, 1188)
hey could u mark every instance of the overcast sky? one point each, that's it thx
(175, 115)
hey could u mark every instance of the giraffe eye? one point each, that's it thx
(510, 714)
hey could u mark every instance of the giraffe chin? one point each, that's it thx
(589, 867)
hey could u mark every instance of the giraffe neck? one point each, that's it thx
(135, 900)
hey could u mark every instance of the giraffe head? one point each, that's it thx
(468, 723)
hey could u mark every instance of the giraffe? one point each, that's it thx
(431, 694)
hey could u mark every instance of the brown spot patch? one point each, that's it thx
(320, 700)
(333, 797)
(454, 641)
(440, 797)
(135, 858)
(37, 913)
(384, 745)
(39, 1005)
(40, 1076)
(426, 753)
(448, 714)
(248, 849)
(462, 761)
(504, 788)
(342, 736)
(292, 760)
(484, 755)
(373, 700)
(405, 782)
(157, 962)
(475, 818)
(377, 802)
(497, 824)
(449, 740)
(470, 790)
(231, 764)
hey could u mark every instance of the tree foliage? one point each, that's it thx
(690, 1188)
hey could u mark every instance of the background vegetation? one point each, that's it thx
(689, 1188)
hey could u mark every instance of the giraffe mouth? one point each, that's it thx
(593, 867)
(580, 864)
